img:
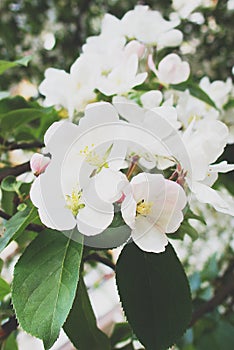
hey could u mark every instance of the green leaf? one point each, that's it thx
(14, 119)
(121, 332)
(191, 215)
(195, 91)
(7, 202)
(114, 236)
(185, 228)
(229, 104)
(16, 225)
(5, 65)
(4, 288)
(81, 327)
(155, 295)
(1, 264)
(10, 184)
(44, 284)
(10, 343)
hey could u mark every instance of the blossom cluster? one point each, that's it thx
(147, 151)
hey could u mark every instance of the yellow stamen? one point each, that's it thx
(74, 202)
(144, 208)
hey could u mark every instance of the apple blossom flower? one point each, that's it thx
(200, 173)
(218, 90)
(171, 69)
(153, 209)
(184, 8)
(81, 156)
(149, 27)
(71, 90)
(122, 78)
(39, 163)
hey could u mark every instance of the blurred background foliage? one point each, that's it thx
(53, 31)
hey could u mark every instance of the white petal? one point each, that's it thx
(208, 195)
(91, 221)
(151, 99)
(128, 210)
(109, 185)
(148, 237)
(222, 167)
(47, 196)
(171, 38)
(98, 113)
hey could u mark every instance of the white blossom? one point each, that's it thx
(153, 209)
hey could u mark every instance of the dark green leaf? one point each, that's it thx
(4, 288)
(44, 284)
(81, 326)
(16, 225)
(114, 236)
(195, 91)
(155, 295)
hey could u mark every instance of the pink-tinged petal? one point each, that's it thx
(134, 47)
(171, 215)
(148, 187)
(148, 237)
(110, 184)
(171, 70)
(92, 221)
(39, 163)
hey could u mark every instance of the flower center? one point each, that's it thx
(95, 159)
(144, 208)
(74, 202)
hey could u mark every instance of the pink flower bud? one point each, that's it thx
(135, 47)
(39, 163)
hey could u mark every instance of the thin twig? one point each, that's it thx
(16, 170)
(8, 327)
(9, 146)
(101, 259)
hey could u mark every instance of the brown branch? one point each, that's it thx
(30, 227)
(101, 259)
(8, 327)
(23, 145)
(225, 290)
(16, 170)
